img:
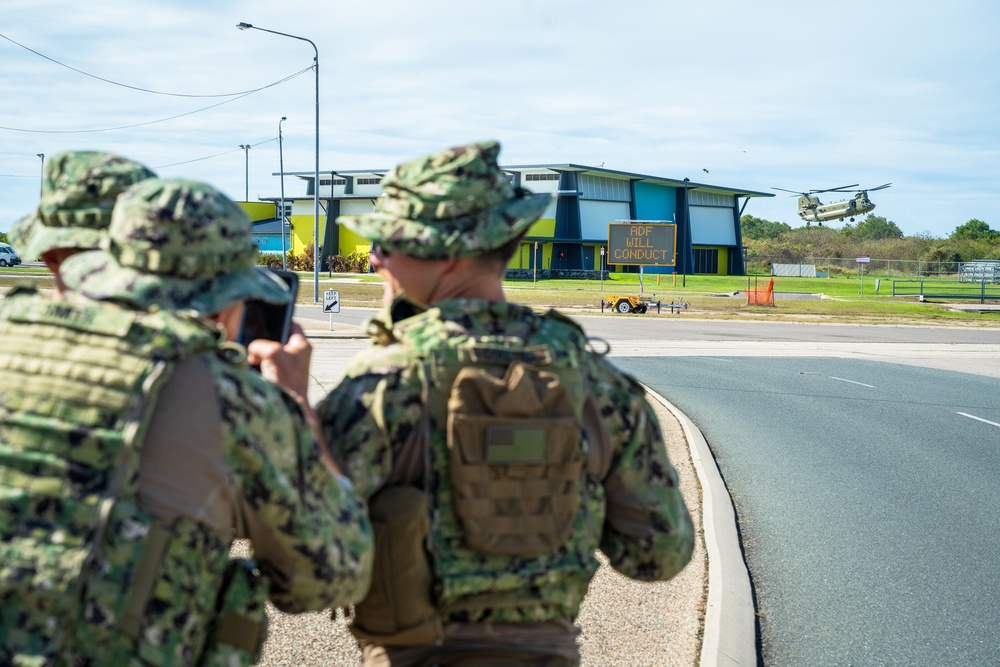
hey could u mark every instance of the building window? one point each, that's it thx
(541, 177)
(369, 181)
(326, 181)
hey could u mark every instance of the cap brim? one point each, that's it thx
(39, 238)
(442, 240)
(98, 275)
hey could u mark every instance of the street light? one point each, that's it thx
(281, 166)
(41, 174)
(246, 167)
(248, 26)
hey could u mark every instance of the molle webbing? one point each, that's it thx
(511, 538)
(515, 459)
(78, 384)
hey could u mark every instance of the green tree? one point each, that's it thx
(758, 228)
(944, 252)
(3, 237)
(975, 230)
(873, 228)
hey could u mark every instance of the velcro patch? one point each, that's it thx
(515, 444)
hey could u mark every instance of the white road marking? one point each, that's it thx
(979, 419)
(852, 382)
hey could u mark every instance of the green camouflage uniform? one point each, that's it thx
(87, 574)
(385, 421)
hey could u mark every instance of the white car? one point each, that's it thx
(8, 257)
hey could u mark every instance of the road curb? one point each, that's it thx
(730, 635)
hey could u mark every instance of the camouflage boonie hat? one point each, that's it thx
(177, 244)
(456, 203)
(79, 189)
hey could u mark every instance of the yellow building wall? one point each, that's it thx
(257, 211)
(302, 232)
(723, 261)
(543, 227)
(351, 242)
(522, 258)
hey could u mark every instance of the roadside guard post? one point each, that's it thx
(331, 303)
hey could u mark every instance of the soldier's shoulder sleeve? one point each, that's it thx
(316, 527)
(648, 533)
(374, 409)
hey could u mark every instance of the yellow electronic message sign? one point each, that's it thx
(642, 243)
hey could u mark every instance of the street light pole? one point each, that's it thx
(41, 174)
(246, 167)
(248, 26)
(281, 166)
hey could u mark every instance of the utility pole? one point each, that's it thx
(246, 160)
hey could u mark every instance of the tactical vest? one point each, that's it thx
(514, 521)
(86, 575)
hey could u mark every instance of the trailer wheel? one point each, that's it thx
(623, 306)
(640, 309)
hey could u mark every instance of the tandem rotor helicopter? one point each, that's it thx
(813, 210)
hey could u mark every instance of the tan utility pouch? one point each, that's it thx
(516, 460)
(399, 610)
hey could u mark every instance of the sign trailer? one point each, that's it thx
(642, 243)
(639, 243)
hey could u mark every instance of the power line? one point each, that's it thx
(150, 122)
(209, 157)
(146, 90)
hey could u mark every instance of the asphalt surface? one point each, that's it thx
(831, 477)
(866, 497)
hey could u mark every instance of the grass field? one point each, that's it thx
(707, 297)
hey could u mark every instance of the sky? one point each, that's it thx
(786, 94)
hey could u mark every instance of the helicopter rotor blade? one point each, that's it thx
(842, 188)
(794, 192)
(881, 187)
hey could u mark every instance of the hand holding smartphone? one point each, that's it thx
(267, 320)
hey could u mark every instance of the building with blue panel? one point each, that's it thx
(267, 236)
(574, 228)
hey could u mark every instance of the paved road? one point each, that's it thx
(867, 501)
(852, 477)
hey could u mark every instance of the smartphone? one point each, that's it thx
(267, 320)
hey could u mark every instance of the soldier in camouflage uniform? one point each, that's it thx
(79, 189)
(498, 451)
(136, 445)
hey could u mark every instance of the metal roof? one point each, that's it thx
(272, 226)
(600, 171)
(645, 178)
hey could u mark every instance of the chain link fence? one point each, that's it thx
(833, 266)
